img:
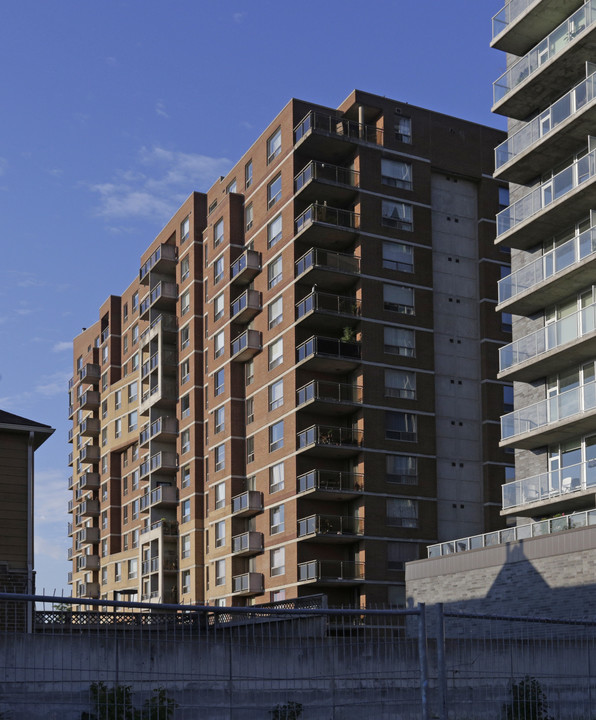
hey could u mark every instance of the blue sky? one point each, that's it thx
(114, 111)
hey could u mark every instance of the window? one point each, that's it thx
(274, 272)
(249, 372)
(104, 464)
(185, 546)
(218, 232)
(250, 410)
(118, 571)
(218, 344)
(400, 426)
(185, 441)
(399, 553)
(220, 457)
(134, 479)
(125, 486)
(185, 405)
(220, 533)
(104, 437)
(185, 511)
(125, 312)
(276, 520)
(220, 495)
(184, 337)
(133, 568)
(218, 270)
(276, 478)
(219, 420)
(276, 436)
(118, 428)
(185, 581)
(125, 344)
(402, 512)
(396, 215)
(104, 576)
(104, 548)
(402, 469)
(135, 334)
(248, 174)
(134, 539)
(275, 312)
(118, 399)
(249, 217)
(135, 301)
(274, 231)
(184, 269)
(276, 394)
(274, 191)
(399, 341)
(134, 362)
(507, 398)
(503, 197)
(184, 371)
(211, 207)
(184, 229)
(278, 561)
(278, 596)
(400, 384)
(274, 145)
(218, 382)
(276, 353)
(397, 256)
(135, 509)
(250, 449)
(231, 187)
(185, 302)
(398, 299)
(133, 390)
(220, 572)
(396, 173)
(132, 421)
(403, 130)
(104, 409)
(218, 307)
(185, 476)
(104, 518)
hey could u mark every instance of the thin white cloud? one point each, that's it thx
(239, 17)
(62, 346)
(160, 182)
(160, 109)
(52, 385)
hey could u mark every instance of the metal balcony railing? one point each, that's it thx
(330, 481)
(326, 172)
(338, 217)
(330, 525)
(330, 570)
(329, 392)
(328, 347)
(329, 303)
(338, 126)
(327, 260)
(329, 435)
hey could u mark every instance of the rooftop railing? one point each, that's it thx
(339, 126)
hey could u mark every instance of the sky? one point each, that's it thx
(113, 112)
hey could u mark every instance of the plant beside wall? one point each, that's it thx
(287, 711)
(115, 703)
(528, 701)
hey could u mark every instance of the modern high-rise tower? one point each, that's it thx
(297, 394)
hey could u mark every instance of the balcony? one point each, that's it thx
(161, 461)
(168, 528)
(557, 132)
(330, 398)
(161, 297)
(90, 373)
(327, 227)
(521, 24)
(331, 528)
(327, 311)
(546, 210)
(150, 566)
(70, 482)
(89, 400)
(552, 492)
(246, 345)
(89, 481)
(250, 583)
(164, 429)
(89, 590)
(533, 80)
(70, 529)
(330, 484)
(89, 508)
(555, 419)
(164, 324)
(89, 562)
(329, 441)
(245, 268)
(69, 577)
(334, 183)
(247, 504)
(70, 459)
(89, 427)
(533, 286)
(246, 306)
(331, 270)
(327, 354)
(332, 137)
(162, 496)
(162, 261)
(544, 351)
(330, 572)
(69, 553)
(577, 520)
(248, 543)
(162, 394)
(89, 536)
(166, 361)
(89, 454)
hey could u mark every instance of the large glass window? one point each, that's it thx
(276, 477)
(402, 469)
(400, 426)
(274, 145)
(218, 344)
(275, 312)
(400, 341)
(276, 519)
(396, 215)
(276, 394)
(276, 436)
(402, 512)
(218, 382)
(278, 561)
(274, 272)
(276, 353)
(400, 384)
(397, 256)
(218, 306)
(396, 173)
(274, 231)
(274, 191)
(398, 298)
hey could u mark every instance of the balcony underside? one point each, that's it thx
(326, 235)
(568, 502)
(321, 406)
(557, 432)
(331, 581)
(330, 495)
(322, 145)
(331, 537)
(329, 363)
(328, 279)
(318, 190)
(329, 451)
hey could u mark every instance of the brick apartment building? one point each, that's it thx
(297, 393)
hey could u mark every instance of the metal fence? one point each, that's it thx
(290, 661)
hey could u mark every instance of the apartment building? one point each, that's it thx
(548, 94)
(298, 393)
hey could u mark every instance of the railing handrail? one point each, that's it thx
(547, 485)
(509, 17)
(337, 125)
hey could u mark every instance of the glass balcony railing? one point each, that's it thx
(328, 347)
(329, 303)
(335, 570)
(546, 49)
(339, 126)
(550, 485)
(557, 187)
(569, 253)
(330, 525)
(327, 260)
(347, 219)
(326, 172)
(329, 435)
(330, 481)
(546, 122)
(164, 321)
(507, 14)
(329, 392)
(512, 534)
(552, 410)
(553, 335)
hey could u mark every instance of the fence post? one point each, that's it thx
(423, 660)
(441, 666)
